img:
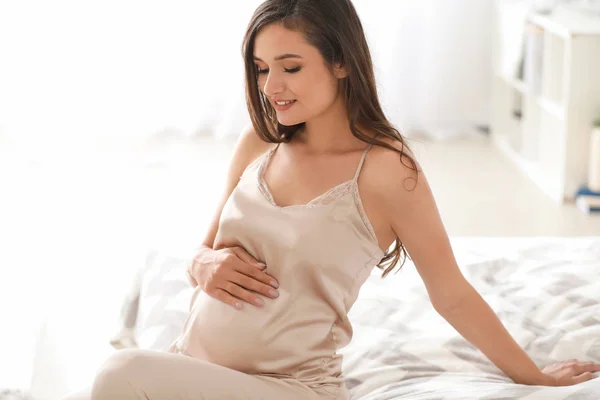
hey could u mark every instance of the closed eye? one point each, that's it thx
(290, 70)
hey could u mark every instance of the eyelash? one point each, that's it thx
(291, 70)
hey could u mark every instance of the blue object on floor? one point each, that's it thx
(587, 200)
(585, 191)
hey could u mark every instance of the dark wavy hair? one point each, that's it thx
(334, 28)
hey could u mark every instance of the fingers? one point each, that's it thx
(255, 286)
(246, 268)
(257, 275)
(248, 289)
(571, 372)
(227, 298)
(244, 280)
(252, 269)
(580, 368)
(246, 257)
(242, 294)
(586, 376)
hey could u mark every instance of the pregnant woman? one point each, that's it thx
(321, 189)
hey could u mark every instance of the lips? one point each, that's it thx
(282, 105)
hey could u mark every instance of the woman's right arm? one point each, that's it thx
(228, 274)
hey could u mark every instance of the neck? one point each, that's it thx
(328, 132)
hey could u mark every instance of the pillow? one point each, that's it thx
(14, 395)
(155, 308)
(125, 336)
(164, 298)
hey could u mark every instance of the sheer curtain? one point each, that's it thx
(81, 71)
(433, 62)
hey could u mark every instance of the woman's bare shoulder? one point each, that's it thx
(399, 160)
(389, 174)
(248, 148)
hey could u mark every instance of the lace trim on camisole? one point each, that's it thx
(330, 196)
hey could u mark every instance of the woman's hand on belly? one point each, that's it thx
(247, 340)
(233, 276)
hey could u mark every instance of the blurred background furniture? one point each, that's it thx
(544, 106)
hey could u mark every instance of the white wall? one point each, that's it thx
(81, 71)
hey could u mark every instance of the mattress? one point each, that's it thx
(546, 291)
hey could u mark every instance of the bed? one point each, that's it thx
(545, 290)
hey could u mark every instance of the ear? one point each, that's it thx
(340, 71)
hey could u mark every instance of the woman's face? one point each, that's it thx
(293, 75)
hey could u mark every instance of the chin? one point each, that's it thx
(289, 121)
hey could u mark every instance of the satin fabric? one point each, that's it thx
(320, 253)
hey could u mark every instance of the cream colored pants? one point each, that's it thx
(154, 375)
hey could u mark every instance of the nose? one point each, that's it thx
(273, 85)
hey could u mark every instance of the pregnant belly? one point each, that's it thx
(275, 338)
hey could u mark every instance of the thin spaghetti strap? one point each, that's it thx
(274, 148)
(269, 154)
(266, 157)
(362, 161)
(259, 161)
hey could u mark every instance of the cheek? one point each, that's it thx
(317, 92)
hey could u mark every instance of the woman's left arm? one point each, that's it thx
(410, 208)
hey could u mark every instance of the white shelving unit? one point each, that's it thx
(543, 120)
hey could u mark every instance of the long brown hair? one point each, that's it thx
(334, 28)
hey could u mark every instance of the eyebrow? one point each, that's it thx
(281, 57)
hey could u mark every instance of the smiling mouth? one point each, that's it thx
(284, 103)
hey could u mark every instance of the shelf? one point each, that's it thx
(555, 93)
(516, 84)
(551, 107)
(544, 103)
(564, 22)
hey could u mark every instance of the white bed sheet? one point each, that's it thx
(545, 290)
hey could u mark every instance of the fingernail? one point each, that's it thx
(261, 264)
(274, 284)
(238, 305)
(274, 293)
(259, 302)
